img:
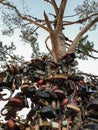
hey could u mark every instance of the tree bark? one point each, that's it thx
(58, 46)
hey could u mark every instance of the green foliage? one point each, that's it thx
(85, 48)
(7, 55)
(89, 7)
(10, 21)
(6, 51)
(29, 35)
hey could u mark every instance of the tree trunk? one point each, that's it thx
(58, 46)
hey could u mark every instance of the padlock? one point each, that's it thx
(14, 69)
(64, 102)
(40, 82)
(43, 87)
(30, 91)
(39, 74)
(15, 102)
(5, 110)
(44, 94)
(68, 122)
(45, 124)
(32, 112)
(58, 104)
(93, 104)
(25, 80)
(74, 63)
(53, 104)
(11, 124)
(92, 114)
(48, 72)
(11, 113)
(48, 112)
(64, 123)
(24, 87)
(70, 87)
(60, 94)
(18, 126)
(14, 85)
(35, 127)
(25, 102)
(64, 128)
(82, 90)
(43, 102)
(75, 108)
(40, 121)
(28, 128)
(55, 125)
(18, 80)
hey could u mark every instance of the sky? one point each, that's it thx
(37, 6)
(36, 9)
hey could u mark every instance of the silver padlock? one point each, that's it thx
(55, 125)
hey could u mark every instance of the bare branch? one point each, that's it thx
(1, 1)
(78, 21)
(76, 50)
(93, 57)
(91, 49)
(22, 16)
(53, 3)
(48, 24)
(75, 42)
(36, 29)
(60, 16)
(94, 50)
(47, 45)
(55, 7)
(48, 1)
(70, 15)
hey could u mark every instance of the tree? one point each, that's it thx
(7, 55)
(29, 37)
(61, 44)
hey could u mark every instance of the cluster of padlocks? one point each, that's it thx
(58, 101)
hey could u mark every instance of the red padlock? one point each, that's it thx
(40, 82)
(11, 124)
(64, 102)
(15, 102)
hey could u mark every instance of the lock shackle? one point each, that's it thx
(4, 110)
(3, 95)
